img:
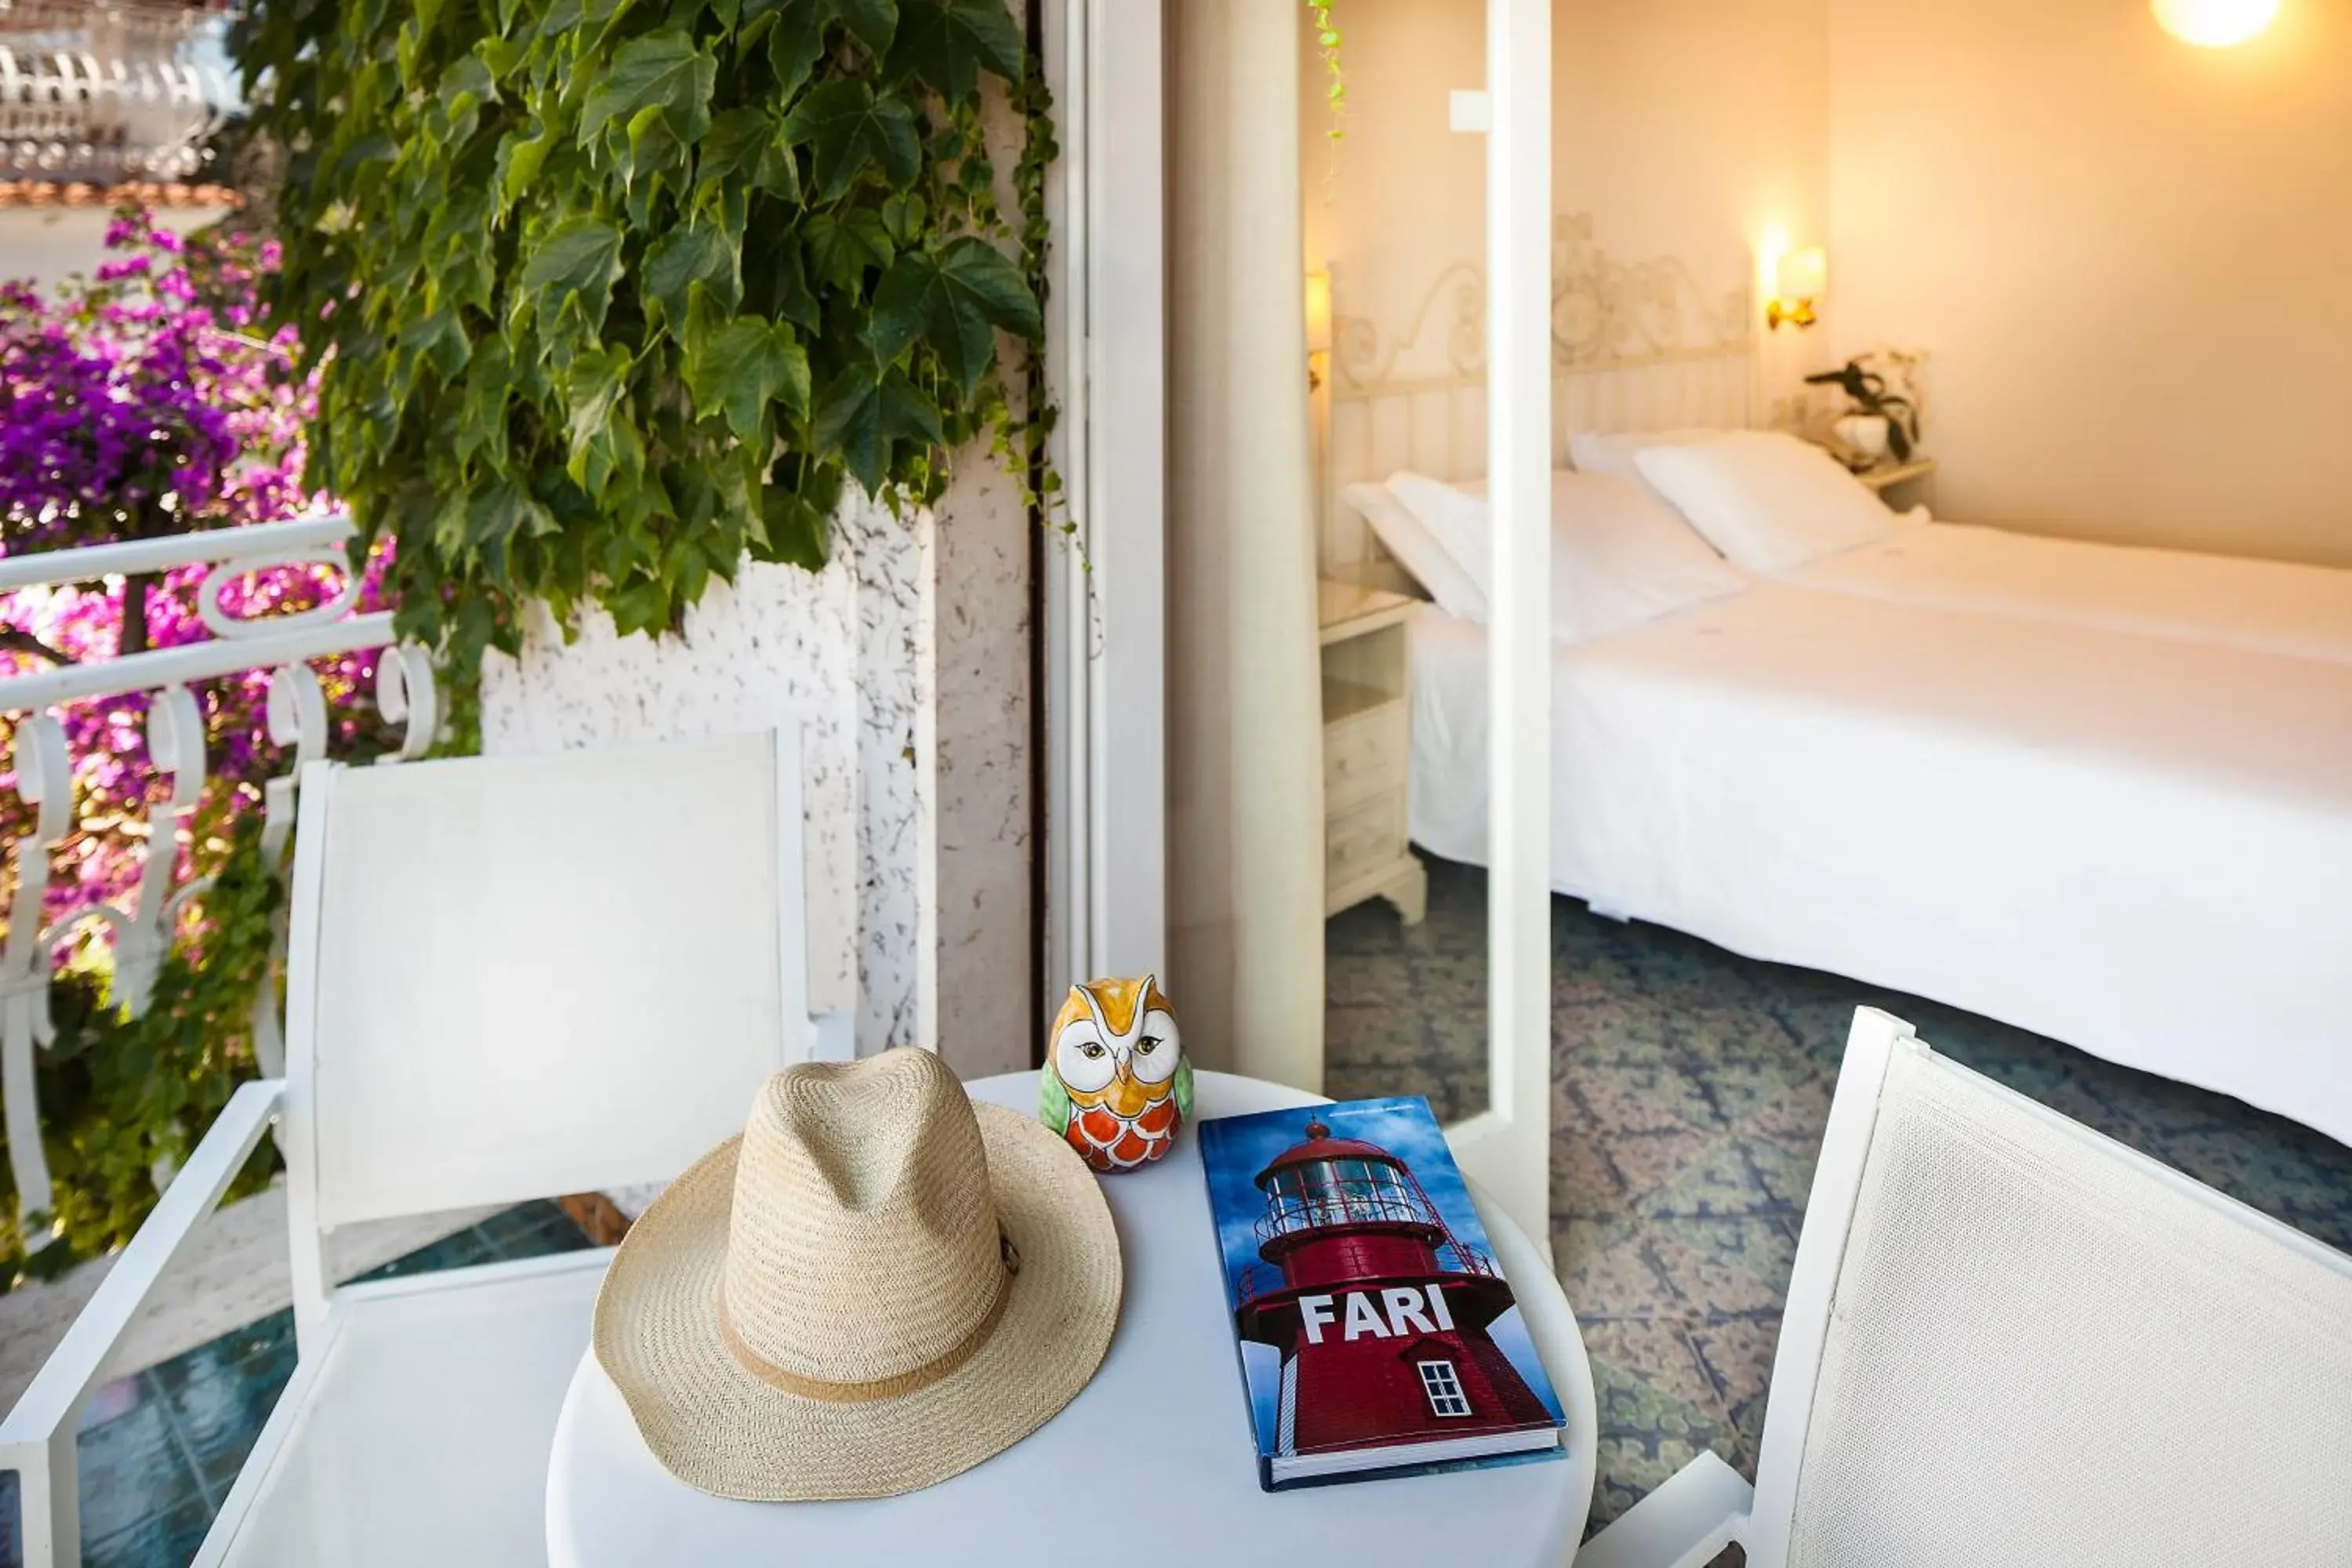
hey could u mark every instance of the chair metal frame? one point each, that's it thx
(38, 1437)
(1706, 1506)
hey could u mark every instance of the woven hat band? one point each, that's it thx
(889, 1387)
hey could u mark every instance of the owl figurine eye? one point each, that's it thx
(1156, 1051)
(1116, 1085)
(1083, 1059)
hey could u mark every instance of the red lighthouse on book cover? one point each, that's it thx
(1381, 1317)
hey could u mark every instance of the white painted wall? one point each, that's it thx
(48, 244)
(904, 666)
(2131, 259)
(838, 654)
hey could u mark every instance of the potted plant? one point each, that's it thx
(1879, 422)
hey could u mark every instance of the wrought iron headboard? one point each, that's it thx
(1635, 345)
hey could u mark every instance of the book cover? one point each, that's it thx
(1376, 1332)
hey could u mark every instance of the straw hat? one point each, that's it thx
(874, 1288)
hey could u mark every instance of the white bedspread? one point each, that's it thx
(2266, 606)
(2140, 846)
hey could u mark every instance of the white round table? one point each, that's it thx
(1154, 1464)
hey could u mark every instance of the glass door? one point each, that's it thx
(1427, 301)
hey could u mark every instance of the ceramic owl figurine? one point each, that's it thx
(1116, 1082)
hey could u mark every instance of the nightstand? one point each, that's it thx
(1899, 485)
(1366, 760)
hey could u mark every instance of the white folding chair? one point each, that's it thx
(2010, 1340)
(509, 978)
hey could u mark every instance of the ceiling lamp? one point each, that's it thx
(2214, 24)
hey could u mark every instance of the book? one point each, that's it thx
(1377, 1335)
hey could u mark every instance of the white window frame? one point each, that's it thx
(1441, 1385)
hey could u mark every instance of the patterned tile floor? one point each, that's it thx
(160, 1448)
(1689, 1090)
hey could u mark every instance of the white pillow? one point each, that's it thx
(1456, 519)
(1620, 557)
(1612, 452)
(1770, 501)
(1456, 591)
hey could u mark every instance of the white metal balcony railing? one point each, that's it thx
(297, 717)
(106, 89)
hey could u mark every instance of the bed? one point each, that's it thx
(2264, 607)
(1780, 508)
(2098, 792)
(2142, 846)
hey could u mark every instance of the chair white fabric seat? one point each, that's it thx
(2010, 1342)
(421, 1434)
(506, 978)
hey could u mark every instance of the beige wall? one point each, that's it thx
(2131, 259)
(1686, 127)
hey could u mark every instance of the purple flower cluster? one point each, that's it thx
(148, 401)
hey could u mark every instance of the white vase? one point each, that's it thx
(1864, 434)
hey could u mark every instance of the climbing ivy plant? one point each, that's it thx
(609, 293)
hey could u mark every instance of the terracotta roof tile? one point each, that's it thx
(82, 194)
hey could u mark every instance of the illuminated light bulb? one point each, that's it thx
(2214, 24)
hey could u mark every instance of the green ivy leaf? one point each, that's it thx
(499, 55)
(863, 412)
(593, 388)
(943, 43)
(656, 160)
(747, 145)
(902, 218)
(873, 21)
(795, 44)
(578, 260)
(465, 85)
(742, 366)
(841, 246)
(954, 300)
(795, 300)
(440, 341)
(482, 415)
(660, 71)
(685, 257)
(519, 160)
(499, 513)
(794, 529)
(848, 131)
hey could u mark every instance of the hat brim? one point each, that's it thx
(722, 1430)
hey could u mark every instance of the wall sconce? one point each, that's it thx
(1318, 328)
(1799, 278)
(2214, 24)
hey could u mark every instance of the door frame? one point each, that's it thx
(1507, 1146)
(1105, 589)
(1105, 610)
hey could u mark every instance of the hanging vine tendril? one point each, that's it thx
(1326, 42)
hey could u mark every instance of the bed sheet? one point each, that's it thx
(2137, 846)
(2262, 607)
